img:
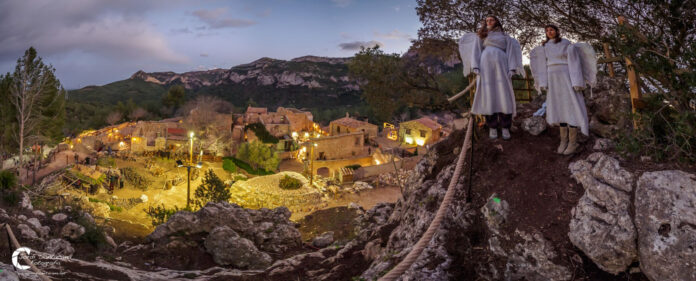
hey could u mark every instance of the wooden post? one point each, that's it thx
(526, 86)
(472, 91)
(632, 80)
(608, 55)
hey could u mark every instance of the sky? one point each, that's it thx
(93, 42)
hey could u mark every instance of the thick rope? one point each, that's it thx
(14, 242)
(439, 216)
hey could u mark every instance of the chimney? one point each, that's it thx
(347, 114)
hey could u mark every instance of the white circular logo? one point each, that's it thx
(15, 255)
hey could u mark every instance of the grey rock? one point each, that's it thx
(228, 248)
(534, 125)
(34, 222)
(600, 224)
(603, 144)
(39, 213)
(8, 273)
(59, 246)
(495, 212)
(26, 201)
(59, 217)
(26, 232)
(270, 229)
(72, 230)
(532, 260)
(323, 240)
(22, 217)
(665, 206)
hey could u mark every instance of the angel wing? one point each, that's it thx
(470, 52)
(537, 63)
(582, 63)
(514, 54)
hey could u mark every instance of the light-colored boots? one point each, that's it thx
(564, 140)
(572, 141)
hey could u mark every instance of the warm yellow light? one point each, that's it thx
(121, 144)
(190, 134)
(306, 135)
(377, 162)
(315, 144)
(115, 130)
(294, 135)
(409, 140)
(304, 149)
(134, 139)
(420, 142)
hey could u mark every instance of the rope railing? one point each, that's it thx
(406, 263)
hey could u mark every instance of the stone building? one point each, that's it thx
(347, 125)
(420, 132)
(342, 146)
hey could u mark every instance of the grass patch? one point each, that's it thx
(112, 207)
(288, 182)
(246, 167)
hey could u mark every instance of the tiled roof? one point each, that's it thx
(430, 123)
(256, 110)
(350, 122)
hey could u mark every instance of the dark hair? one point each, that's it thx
(483, 32)
(558, 34)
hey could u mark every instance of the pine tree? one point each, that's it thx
(211, 190)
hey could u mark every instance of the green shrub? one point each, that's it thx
(261, 132)
(8, 180)
(228, 165)
(137, 180)
(160, 214)
(106, 162)
(288, 182)
(211, 190)
(354, 166)
(11, 198)
(94, 234)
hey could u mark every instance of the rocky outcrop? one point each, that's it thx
(601, 225)
(228, 248)
(271, 230)
(665, 208)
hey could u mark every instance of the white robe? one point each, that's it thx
(494, 57)
(563, 71)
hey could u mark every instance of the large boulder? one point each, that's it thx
(665, 207)
(601, 225)
(270, 229)
(228, 248)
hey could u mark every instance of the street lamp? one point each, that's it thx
(180, 164)
(311, 163)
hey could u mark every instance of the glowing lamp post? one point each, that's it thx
(311, 158)
(190, 165)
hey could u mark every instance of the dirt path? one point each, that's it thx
(60, 161)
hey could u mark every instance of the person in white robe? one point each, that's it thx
(563, 70)
(495, 57)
